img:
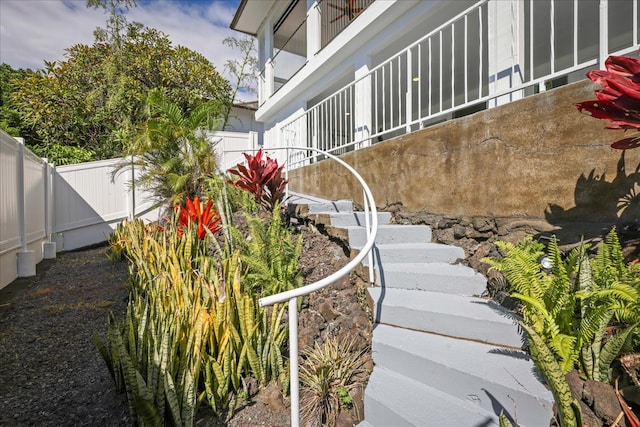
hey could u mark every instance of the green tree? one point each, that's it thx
(244, 71)
(172, 149)
(95, 99)
(10, 120)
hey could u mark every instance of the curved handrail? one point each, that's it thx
(292, 295)
(323, 283)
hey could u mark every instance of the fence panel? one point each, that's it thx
(90, 202)
(34, 197)
(228, 147)
(9, 214)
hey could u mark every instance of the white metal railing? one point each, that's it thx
(453, 70)
(291, 296)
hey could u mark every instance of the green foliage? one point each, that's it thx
(172, 150)
(10, 120)
(95, 99)
(218, 189)
(345, 398)
(572, 306)
(192, 331)
(59, 155)
(270, 255)
(329, 373)
(569, 412)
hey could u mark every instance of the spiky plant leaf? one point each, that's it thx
(546, 362)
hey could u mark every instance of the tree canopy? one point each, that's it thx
(95, 100)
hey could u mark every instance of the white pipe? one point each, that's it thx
(294, 380)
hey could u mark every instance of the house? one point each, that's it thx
(458, 115)
(344, 75)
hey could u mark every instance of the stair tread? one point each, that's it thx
(441, 302)
(438, 268)
(446, 314)
(444, 361)
(416, 404)
(417, 245)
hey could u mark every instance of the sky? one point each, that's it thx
(32, 31)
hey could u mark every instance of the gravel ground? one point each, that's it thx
(50, 371)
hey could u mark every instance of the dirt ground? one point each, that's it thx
(52, 375)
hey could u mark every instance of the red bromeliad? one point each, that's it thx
(619, 99)
(204, 217)
(262, 177)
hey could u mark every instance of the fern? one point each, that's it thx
(571, 306)
(271, 256)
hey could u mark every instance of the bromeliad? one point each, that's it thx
(205, 217)
(619, 99)
(261, 177)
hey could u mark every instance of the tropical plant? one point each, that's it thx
(191, 333)
(569, 307)
(172, 149)
(329, 374)
(261, 177)
(202, 215)
(619, 99)
(270, 255)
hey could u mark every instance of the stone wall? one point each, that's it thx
(535, 166)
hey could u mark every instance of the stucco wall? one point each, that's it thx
(537, 159)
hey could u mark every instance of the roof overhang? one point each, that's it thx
(250, 15)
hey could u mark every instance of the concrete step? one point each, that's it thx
(302, 203)
(345, 219)
(389, 234)
(440, 277)
(396, 400)
(395, 253)
(446, 314)
(495, 379)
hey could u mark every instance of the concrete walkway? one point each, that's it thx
(443, 356)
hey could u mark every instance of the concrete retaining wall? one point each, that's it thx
(536, 164)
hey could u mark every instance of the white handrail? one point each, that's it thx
(292, 295)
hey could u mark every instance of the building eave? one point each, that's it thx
(250, 15)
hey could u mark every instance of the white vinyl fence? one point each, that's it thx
(228, 147)
(46, 209)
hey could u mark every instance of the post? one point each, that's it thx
(603, 50)
(48, 247)
(132, 194)
(25, 258)
(293, 362)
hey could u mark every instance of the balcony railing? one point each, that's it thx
(336, 15)
(452, 71)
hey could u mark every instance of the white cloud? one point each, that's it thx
(32, 31)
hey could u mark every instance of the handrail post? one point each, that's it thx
(368, 232)
(293, 362)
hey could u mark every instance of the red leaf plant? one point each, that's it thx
(195, 211)
(619, 99)
(262, 177)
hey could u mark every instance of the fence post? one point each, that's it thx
(26, 259)
(132, 192)
(48, 247)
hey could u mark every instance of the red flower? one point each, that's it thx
(619, 99)
(204, 218)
